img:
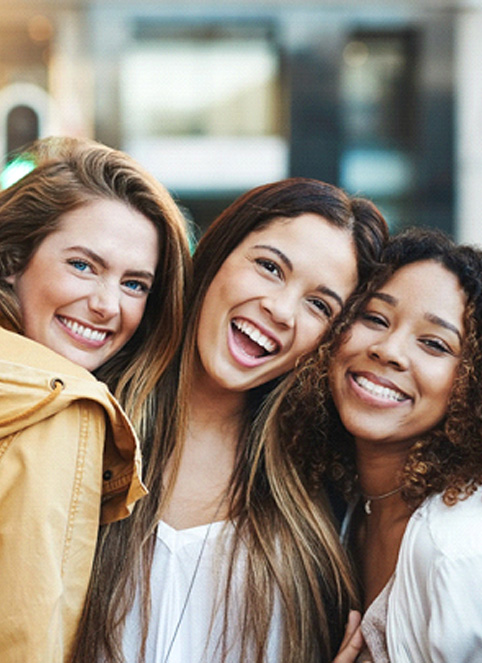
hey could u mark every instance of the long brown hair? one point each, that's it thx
(70, 173)
(274, 506)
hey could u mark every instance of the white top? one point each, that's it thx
(434, 610)
(374, 627)
(435, 605)
(176, 555)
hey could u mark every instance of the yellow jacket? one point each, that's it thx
(69, 459)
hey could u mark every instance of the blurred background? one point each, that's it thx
(383, 98)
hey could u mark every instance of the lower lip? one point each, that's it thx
(372, 399)
(241, 357)
(81, 340)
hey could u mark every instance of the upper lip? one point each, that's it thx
(237, 319)
(380, 380)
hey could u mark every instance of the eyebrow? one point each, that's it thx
(389, 299)
(284, 258)
(100, 261)
(431, 317)
(445, 324)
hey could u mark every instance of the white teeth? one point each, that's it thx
(255, 335)
(86, 332)
(378, 390)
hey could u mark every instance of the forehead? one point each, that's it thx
(308, 223)
(427, 286)
(111, 228)
(309, 247)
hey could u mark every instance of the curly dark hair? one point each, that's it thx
(448, 458)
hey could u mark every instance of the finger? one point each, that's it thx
(354, 619)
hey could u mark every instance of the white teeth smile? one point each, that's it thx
(85, 332)
(255, 335)
(378, 390)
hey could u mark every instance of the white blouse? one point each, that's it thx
(194, 636)
(435, 604)
(434, 612)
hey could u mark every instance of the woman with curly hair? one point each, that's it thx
(402, 435)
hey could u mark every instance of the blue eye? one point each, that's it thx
(136, 286)
(79, 265)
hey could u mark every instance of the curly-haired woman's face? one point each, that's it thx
(392, 378)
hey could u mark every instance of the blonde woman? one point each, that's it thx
(93, 264)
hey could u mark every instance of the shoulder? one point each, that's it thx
(29, 371)
(434, 608)
(22, 351)
(451, 532)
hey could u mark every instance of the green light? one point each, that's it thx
(14, 171)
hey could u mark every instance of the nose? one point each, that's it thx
(281, 306)
(390, 350)
(104, 300)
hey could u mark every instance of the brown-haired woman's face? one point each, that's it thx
(392, 378)
(273, 298)
(84, 291)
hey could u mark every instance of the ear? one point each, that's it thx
(10, 279)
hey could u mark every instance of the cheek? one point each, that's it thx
(132, 316)
(441, 397)
(309, 333)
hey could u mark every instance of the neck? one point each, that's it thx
(379, 467)
(214, 422)
(214, 411)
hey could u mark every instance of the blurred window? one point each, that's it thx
(203, 111)
(378, 115)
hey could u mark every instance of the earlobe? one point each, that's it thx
(10, 279)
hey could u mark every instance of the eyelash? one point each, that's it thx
(270, 266)
(143, 288)
(438, 346)
(322, 306)
(79, 261)
(373, 318)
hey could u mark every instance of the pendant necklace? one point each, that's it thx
(368, 499)
(191, 582)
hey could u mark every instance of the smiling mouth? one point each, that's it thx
(89, 333)
(378, 390)
(252, 341)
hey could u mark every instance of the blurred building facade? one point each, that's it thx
(382, 98)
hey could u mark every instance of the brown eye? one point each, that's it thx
(269, 265)
(321, 306)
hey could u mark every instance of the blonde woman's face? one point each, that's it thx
(84, 291)
(392, 378)
(272, 299)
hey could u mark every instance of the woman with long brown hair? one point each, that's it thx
(93, 268)
(231, 557)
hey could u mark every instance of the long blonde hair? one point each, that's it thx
(69, 173)
(275, 505)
